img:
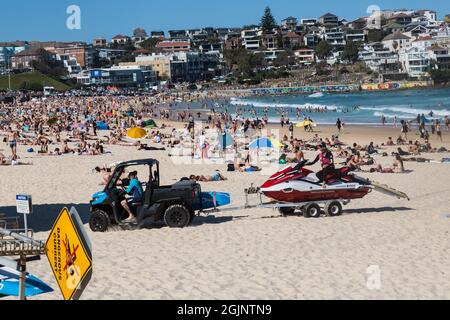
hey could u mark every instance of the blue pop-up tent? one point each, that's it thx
(262, 143)
(102, 125)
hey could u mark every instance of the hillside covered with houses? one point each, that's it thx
(387, 45)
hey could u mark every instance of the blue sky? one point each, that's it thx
(46, 19)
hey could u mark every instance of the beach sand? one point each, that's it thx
(254, 254)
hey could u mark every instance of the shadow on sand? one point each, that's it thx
(376, 210)
(44, 215)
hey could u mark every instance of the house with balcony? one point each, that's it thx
(25, 59)
(380, 59)
(305, 56)
(336, 38)
(99, 42)
(329, 20)
(157, 35)
(292, 40)
(70, 63)
(174, 45)
(120, 39)
(177, 34)
(355, 35)
(250, 40)
(440, 57)
(416, 61)
(308, 22)
(313, 37)
(397, 41)
(289, 23)
(269, 40)
(401, 18)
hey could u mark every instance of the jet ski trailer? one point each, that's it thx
(328, 204)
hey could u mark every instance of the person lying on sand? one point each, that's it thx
(397, 167)
(147, 148)
(217, 176)
(6, 162)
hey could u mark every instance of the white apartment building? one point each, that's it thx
(416, 61)
(250, 40)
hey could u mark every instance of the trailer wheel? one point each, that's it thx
(333, 209)
(312, 211)
(177, 216)
(99, 221)
(287, 211)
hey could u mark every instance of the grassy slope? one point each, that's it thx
(38, 77)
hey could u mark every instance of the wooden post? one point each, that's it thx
(22, 277)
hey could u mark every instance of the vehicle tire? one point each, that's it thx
(312, 211)
(99, 221)
(333, 209)
(177, 216)
(287, 211)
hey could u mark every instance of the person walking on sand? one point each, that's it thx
(439, 131)
(12, 141)
(339, 125)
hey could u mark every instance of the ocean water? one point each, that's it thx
(351, 108)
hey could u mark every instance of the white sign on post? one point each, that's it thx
(23, 204)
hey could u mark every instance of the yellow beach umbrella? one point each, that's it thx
(136, 133)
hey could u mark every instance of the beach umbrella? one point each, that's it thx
(306, 123)
(102, 125)
(136, 133)
(9, 280)
(225, 140)
(262, 143)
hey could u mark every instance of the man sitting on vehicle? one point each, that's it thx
(327, 162)
(137, 194)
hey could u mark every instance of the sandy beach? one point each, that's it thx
(254, 254)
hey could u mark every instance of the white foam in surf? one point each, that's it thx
(260, 104)
(407, 110)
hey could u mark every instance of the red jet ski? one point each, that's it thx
(298, 185)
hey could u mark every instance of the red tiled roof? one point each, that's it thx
(291, 35)
(119, 36)
(173, 44)
(424, 38)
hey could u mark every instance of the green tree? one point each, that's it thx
(268, 22)
(323, 49)
(440, 76)
(150, 44)
(283, 59)
(447, 19)
(351, 52)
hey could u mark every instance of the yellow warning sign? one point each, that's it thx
(69, 255)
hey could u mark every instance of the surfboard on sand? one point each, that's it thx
(9, 284)
(207, 202)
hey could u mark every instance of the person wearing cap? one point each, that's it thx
(326, 161)
(137, 194)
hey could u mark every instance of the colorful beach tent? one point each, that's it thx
(136, 133)
(262, 143)
(102, 125)
(9, 284)
(149, 124)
